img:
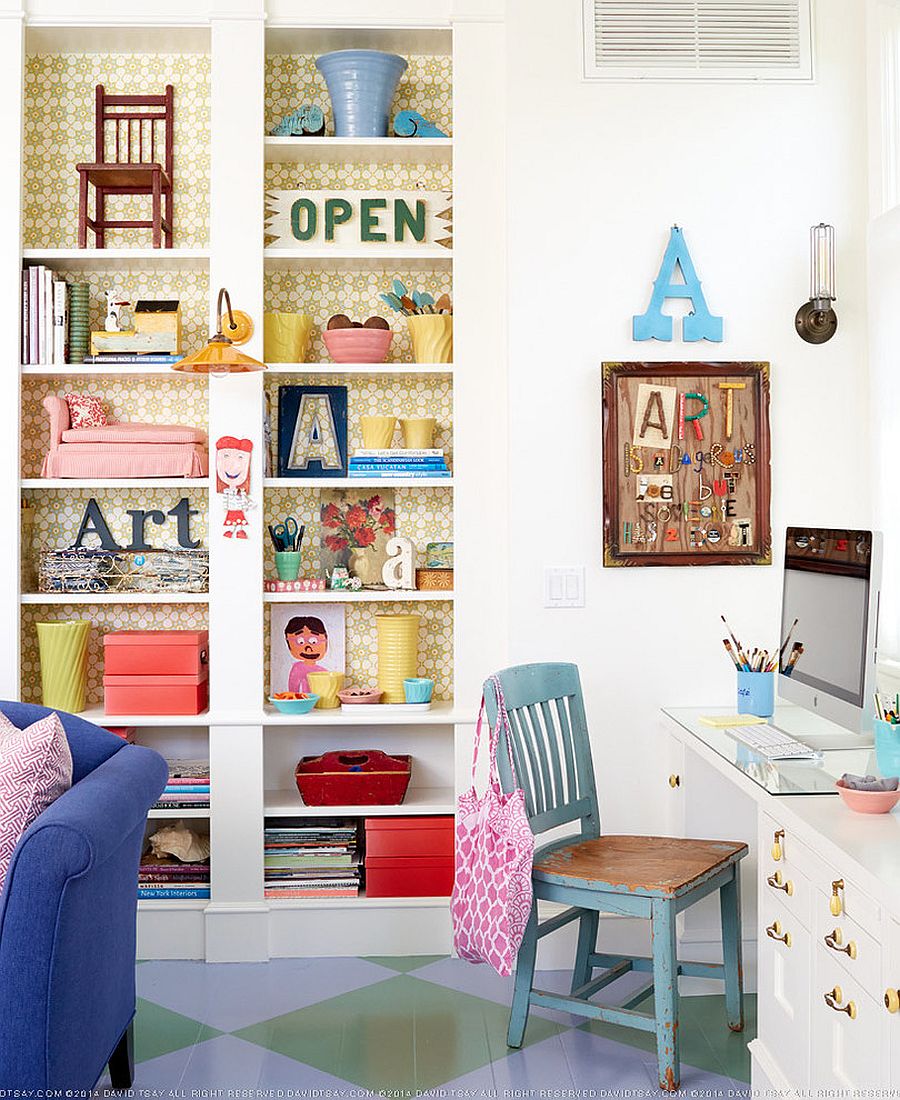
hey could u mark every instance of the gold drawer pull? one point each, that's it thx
(835, 903)
(776, 844)
(674, 781)
(892, 1000)
(836, 938)
(773, 931)
(833, 1000)
(775, 882)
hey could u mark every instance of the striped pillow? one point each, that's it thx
(35, 769)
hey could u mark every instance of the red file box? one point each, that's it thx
(409, 857)
(156, 653)
(351, 778)
(156, 694)
(409, 878)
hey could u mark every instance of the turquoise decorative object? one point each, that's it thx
(361, 84)
(412, 124)
(306, 121)
(700, 324)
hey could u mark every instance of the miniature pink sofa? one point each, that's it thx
(122, 450)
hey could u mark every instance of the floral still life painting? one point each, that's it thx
(355, 528)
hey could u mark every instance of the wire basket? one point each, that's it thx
(92, 570)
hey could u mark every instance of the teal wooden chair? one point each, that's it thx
(642, 876)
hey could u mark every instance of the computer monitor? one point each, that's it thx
(832, 581)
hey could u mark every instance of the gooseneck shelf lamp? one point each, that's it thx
(221, 356)
(816, 321)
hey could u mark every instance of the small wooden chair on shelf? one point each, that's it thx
(136, 120)
(643, 876)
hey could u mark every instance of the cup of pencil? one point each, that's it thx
(755, 676)
(887, 734)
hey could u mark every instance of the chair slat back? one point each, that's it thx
(132, 129)
(550, 745)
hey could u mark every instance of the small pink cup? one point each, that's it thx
(357, 345)
(868, 802)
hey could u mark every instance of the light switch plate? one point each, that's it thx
(564, 587)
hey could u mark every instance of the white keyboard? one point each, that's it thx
(770, 742)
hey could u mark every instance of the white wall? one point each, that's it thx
(597, 173)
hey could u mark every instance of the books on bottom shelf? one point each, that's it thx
(188, 786)
(311, 858)
(392, 462)
(165, 878)
(45, 319)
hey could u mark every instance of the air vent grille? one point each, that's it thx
(699, 39)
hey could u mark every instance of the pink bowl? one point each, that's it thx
(357, 345)
(868, 802)
(360, 695)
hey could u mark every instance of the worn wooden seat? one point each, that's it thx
(657, 865)
(644, 876)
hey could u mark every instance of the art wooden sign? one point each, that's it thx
(686, 475)
(407, 220)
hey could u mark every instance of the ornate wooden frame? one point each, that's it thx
(617, 483)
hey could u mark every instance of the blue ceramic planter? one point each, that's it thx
(361, 84)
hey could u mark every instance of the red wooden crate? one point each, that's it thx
(156, 652)
(354, 778)
(156, 694)
(410, 837)
(408, 877)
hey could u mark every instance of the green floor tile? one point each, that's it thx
(158, 1031)
(706, 1040)
(403, 964)
(401, 1033)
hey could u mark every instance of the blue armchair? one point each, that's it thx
(68, 913)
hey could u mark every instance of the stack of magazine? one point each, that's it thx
(398, 463)
(311, 858)
(188, 786)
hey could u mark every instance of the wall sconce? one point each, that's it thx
(816, 321)
(220, 356)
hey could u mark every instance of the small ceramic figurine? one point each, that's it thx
(114, 305)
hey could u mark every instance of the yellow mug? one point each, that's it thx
(326, 685)
(418, 431)
(378, 432)
(286, 337)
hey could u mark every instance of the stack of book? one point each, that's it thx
(44, 317)
(396, 463)
(311, 858)
(188, 786)
(165, 878)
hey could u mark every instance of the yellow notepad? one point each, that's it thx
(720, 720)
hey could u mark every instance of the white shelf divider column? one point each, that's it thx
(236, 918)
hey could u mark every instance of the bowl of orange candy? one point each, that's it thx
(293, 702)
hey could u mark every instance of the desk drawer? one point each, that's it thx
(784, 975)
(851, 946)
(846, 1045)
(835, 891)
(789, 886)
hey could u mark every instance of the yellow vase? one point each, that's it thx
(432, 337)
(418, 431)
(63, 649)
(398, 646)
(377, 432)
(286, 337)
(326, 685)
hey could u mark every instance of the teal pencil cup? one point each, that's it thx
(287, 564)
(756, 693)
(887, 748)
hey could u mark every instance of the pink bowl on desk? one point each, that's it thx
(358, 345)
(868, 802)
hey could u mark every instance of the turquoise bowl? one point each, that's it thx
(294, 706)
(418, 689)
(887, 748)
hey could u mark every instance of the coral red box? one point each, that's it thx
(410, 837)
(156, 653)
(409, 877)
(156, 694)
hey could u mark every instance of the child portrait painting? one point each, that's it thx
(305, 638)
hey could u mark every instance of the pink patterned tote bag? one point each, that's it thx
(492, 894)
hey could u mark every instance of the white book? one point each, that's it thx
(60, 321)
(34, 306)
(399, 453)
(48, 316)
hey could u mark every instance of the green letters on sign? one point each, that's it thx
(301, 207)
(369, 220)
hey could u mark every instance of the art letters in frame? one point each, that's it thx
(686, 475)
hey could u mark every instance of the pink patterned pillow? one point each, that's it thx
(86, 412)
(35, 769)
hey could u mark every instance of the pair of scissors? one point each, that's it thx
(286, 535)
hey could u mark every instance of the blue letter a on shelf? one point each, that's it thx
(700, 324)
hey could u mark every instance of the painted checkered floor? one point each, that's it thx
(397, 1024)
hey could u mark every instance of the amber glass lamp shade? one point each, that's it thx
(220, 356)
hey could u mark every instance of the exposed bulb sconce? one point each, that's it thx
(816, 321)
(221, 356)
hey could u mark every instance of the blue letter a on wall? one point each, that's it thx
(698, 324)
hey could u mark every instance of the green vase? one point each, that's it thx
(63, 648)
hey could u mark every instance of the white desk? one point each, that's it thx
(803, 1042)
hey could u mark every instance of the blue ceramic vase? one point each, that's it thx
(361, 84)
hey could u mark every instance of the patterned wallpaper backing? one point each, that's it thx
(59, 133)
(293, 79)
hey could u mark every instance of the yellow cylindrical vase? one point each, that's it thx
(326, 685)
(377, 432)
(418, 431)
(286, 337)
(432, 337)
(398, 646)
(63, 649)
